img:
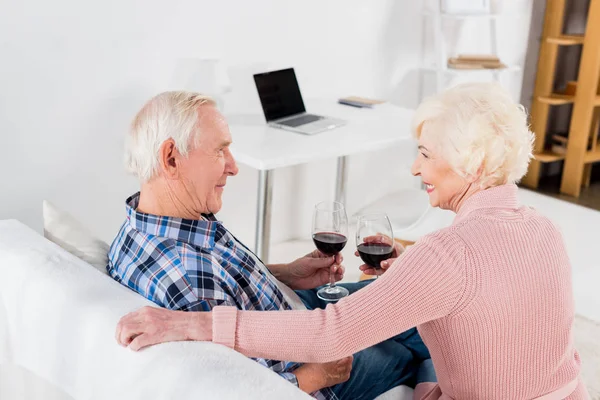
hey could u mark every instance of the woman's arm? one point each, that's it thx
(427, 282)
(424, 284)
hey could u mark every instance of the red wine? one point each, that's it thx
(329, 243)
(374, 253)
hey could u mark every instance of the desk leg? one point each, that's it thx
(263, 214)
(340, 181)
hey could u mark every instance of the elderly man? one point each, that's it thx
(173, 251)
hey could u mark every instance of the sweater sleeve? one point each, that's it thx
(424, 284)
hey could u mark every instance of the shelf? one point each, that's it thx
(471, 16)
(512, 68)
(566, 40)
(548, 156)
(557, 99)
(592, 155)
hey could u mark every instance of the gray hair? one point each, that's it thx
(168, 115)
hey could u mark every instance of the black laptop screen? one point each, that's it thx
(279, 94)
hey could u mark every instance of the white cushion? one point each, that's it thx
(64, 230)
(59, 322)
(398, 393)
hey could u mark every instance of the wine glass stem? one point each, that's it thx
(331, 278)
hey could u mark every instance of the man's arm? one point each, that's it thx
(313, 377)
(194, 287)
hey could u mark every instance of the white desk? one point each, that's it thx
(265, 149)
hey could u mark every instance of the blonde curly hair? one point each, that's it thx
(479, 130)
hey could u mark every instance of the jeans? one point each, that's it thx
(401, 360)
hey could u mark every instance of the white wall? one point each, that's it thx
(73, 73)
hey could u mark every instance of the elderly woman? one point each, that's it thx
(491, 295)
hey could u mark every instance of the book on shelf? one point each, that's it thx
(475, 61)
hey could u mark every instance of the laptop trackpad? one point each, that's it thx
(301, 120)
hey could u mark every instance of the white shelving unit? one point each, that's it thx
(440, 67)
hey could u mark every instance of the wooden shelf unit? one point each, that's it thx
(585, 116)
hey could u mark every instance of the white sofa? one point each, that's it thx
(58, 317)
(57, 321)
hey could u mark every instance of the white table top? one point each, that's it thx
(261, 147)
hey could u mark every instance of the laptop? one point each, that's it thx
(283, 106)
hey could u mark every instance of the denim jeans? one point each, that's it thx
(401, 360)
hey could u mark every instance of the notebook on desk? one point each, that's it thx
(283, 106)
(361, 102)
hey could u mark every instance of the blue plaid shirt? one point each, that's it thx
(194, 265)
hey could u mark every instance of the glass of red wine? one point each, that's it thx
(330, 234)
(374, 239)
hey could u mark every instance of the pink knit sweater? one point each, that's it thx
(491, 296)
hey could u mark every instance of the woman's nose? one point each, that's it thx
(415, 168)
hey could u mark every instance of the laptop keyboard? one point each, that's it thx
(301, 120)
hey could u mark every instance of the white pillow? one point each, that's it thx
(64, 230)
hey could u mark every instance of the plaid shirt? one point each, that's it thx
(194, 265)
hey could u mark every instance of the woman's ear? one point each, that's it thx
(169, 158)
(472, 178)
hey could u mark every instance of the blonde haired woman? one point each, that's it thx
(491, 295)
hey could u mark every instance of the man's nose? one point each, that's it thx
(232, 168)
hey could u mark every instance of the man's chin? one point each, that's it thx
(215, 206)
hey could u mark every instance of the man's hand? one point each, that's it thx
(310, 271)
(385, 264)
(151, 325)
(312, 377)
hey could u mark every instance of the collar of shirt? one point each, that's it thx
(198, 232)
(499, 197)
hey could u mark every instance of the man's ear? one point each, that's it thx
(169, 158)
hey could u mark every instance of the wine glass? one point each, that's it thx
(330, 234)
(374, 239)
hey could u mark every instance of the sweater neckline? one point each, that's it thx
(502, 196)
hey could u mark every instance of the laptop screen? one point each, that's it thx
(279, 94)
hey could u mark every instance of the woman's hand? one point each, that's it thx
(151, 325)
(312, 377)
(385, 264)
